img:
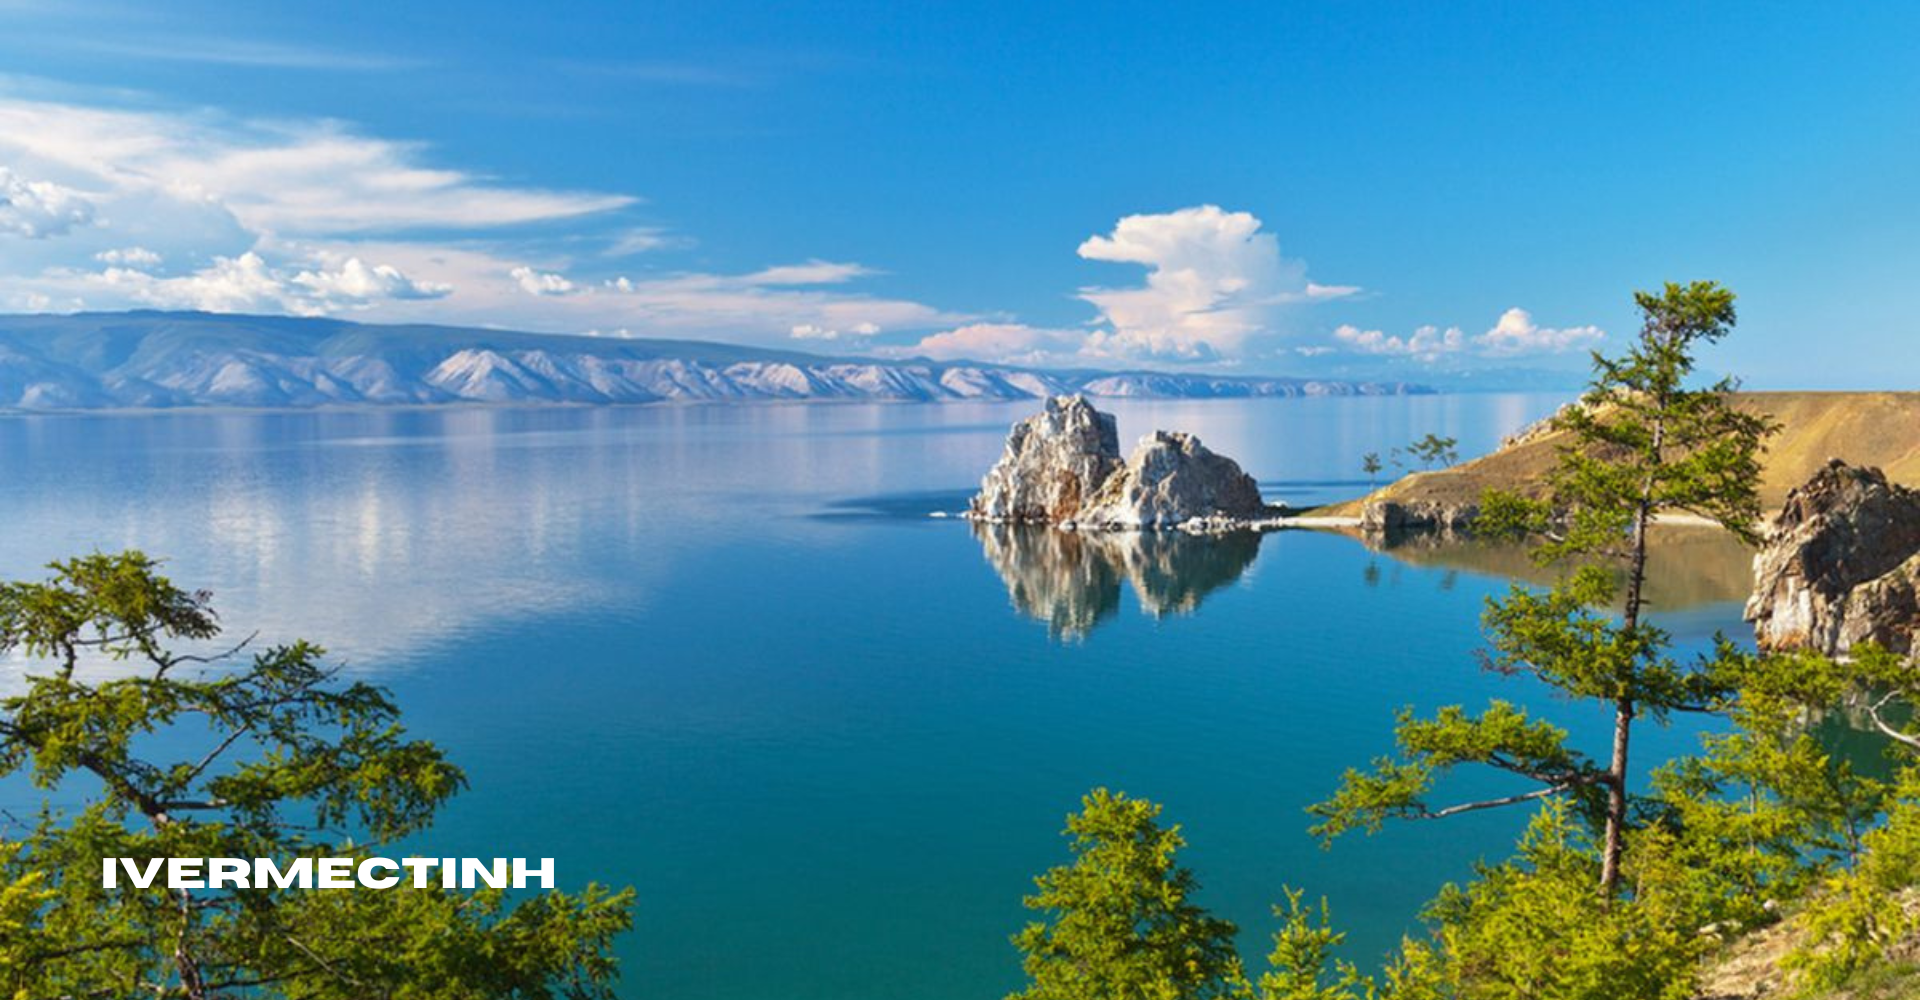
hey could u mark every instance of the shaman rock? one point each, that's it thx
(1170, 479)
(1052, 465)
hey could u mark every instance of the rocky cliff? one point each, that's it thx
(1063, 467)
(1841, 565)
(1170, 479)
(1052, 466)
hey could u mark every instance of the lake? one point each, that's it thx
(725, 655)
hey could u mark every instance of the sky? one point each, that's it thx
(1425, 191)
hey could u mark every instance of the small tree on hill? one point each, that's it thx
(1435, 449)
(1370, 464)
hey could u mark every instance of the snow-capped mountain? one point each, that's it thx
(159, 359)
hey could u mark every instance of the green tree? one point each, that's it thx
(1121, 922)
(1858, 914)
(1434, 448)
(1532, 928)
(1370, 464)
(189, 751)
(1642, 443)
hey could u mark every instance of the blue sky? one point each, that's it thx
(1404, 189)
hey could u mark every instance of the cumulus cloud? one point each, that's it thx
(249, 283)
(1425, 343)
(357, 281)
(39, 209)
(541, 282)
(1215, 283)
(1515, 334)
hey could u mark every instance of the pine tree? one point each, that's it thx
(1121, 918)
(1643, 443)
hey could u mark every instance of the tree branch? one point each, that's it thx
(1873, 712)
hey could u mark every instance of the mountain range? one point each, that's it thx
(141, 359)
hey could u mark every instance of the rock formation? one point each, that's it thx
(1841, 565)
(1063, 467)
(1053, 464)
(1170, 479)
(1392, 518)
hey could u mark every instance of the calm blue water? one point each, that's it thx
(723, 655)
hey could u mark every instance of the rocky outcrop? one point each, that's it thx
(1170, 479)
(1063, 467)
(1841, 565)
(1052, 466)
(1392, 518)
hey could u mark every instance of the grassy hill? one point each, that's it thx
(1865, 428)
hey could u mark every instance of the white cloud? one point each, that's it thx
(542, 282)
(139, 257)
(249, 283)
(39, 209)
(1516, 334)
(1002, 343)
(1426, 343)
(814, 331)
(289, 179)
(643, 239)
(207, 211)
(1215, 283)
(813, 272)
(357, 281)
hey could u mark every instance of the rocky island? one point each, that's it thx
(1062, 467)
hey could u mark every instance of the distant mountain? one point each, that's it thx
(163, 359)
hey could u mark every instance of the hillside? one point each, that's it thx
(1865, 428)
(94, 361)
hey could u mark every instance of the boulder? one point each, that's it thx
(1170, 479)
(1841, 565)
(1053, 464)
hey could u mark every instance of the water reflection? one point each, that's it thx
(1071, 579)
(1691, 566)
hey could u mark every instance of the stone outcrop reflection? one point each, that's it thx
(1072, 579)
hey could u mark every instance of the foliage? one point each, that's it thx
(1433, 449)
(1302, 965)
(231, 754)
(1857, 914)
(1370, 464)
(1533, 929)
(1121, 919)
(1502, 737)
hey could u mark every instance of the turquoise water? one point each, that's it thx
(724, 655)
